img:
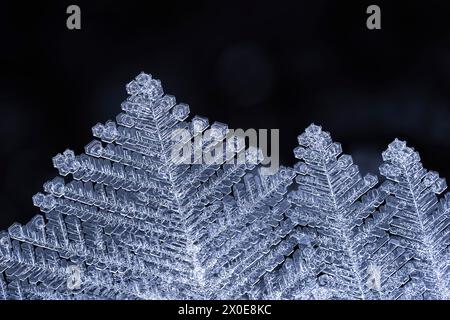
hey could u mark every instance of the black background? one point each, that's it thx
(250, 64)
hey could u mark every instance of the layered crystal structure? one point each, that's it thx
(139, 216)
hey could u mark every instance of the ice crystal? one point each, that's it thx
(420, 225)
(360, 240)
(128, 220)
(125, 214)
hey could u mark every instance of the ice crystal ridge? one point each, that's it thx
(124, 221)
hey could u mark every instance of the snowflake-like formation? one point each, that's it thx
(124, 220)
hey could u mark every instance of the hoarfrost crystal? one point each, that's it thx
(129, 220)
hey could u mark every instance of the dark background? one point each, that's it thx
(249, 64)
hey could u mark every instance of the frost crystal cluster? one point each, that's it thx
(126, 221)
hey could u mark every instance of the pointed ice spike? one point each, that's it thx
(330, 201)
(127, 207)
(420, 224)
